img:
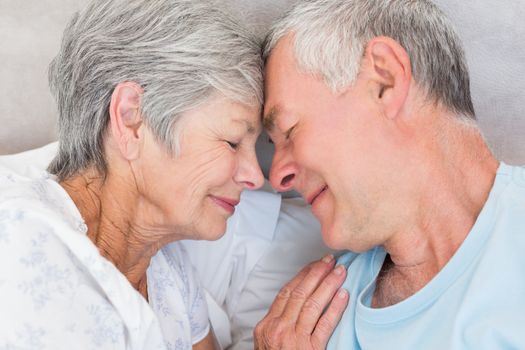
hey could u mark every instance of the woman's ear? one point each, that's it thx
(125, 118)
(391, 72)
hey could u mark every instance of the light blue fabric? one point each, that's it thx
(477, 301)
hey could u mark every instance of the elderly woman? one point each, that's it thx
(159, 105)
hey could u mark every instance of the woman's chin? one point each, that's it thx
(214, 231)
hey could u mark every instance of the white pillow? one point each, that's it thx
(296, 242)
(30, 162)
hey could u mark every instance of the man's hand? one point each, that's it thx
(306, 311)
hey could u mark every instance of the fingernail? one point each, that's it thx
(342, 293)
(339, 269)
(327, 259)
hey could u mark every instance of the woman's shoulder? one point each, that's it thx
(36, 257)
(47, 296)
(51, 298)
(38, 193)
(34, 213)
(56, 288)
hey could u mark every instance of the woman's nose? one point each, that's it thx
(250, 174)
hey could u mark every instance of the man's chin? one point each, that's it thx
(337, 238)
(332, 238)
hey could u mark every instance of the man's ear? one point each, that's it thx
(392, 73)
(125, 118)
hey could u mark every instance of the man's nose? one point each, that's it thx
(283, 170)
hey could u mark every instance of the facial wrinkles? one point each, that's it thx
(211, 161)
(214, 161)
(193, 186)
(143, 214)
(150, 217)
(132, 256)
(201, 186)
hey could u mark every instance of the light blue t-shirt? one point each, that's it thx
(477, 301)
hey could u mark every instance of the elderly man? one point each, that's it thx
(368, 104)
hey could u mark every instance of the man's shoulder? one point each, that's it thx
(518, 176)
(510, 202)
(514, 175)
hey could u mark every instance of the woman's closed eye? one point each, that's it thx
(233, 145)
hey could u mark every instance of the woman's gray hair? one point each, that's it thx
(330, 37)
(181, 52)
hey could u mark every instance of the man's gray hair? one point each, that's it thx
(181, 52)
(330, 37)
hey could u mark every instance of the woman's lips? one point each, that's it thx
(226, 203)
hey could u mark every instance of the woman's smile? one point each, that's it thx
(227, 204)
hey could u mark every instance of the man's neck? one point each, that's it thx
(447, 210)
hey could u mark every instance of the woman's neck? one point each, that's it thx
(109, 209)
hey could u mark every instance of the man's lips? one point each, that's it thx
(227, 203)
(314, 196)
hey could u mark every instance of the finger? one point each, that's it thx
(316, 304)
(281, 300)
(264, 331)
(327, 323)
(283, 295)
(302, 291)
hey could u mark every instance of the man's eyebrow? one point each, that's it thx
(269, 118)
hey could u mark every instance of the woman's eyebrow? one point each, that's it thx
(251, 129)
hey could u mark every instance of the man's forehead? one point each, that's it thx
(282, 56)
(280, 66)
